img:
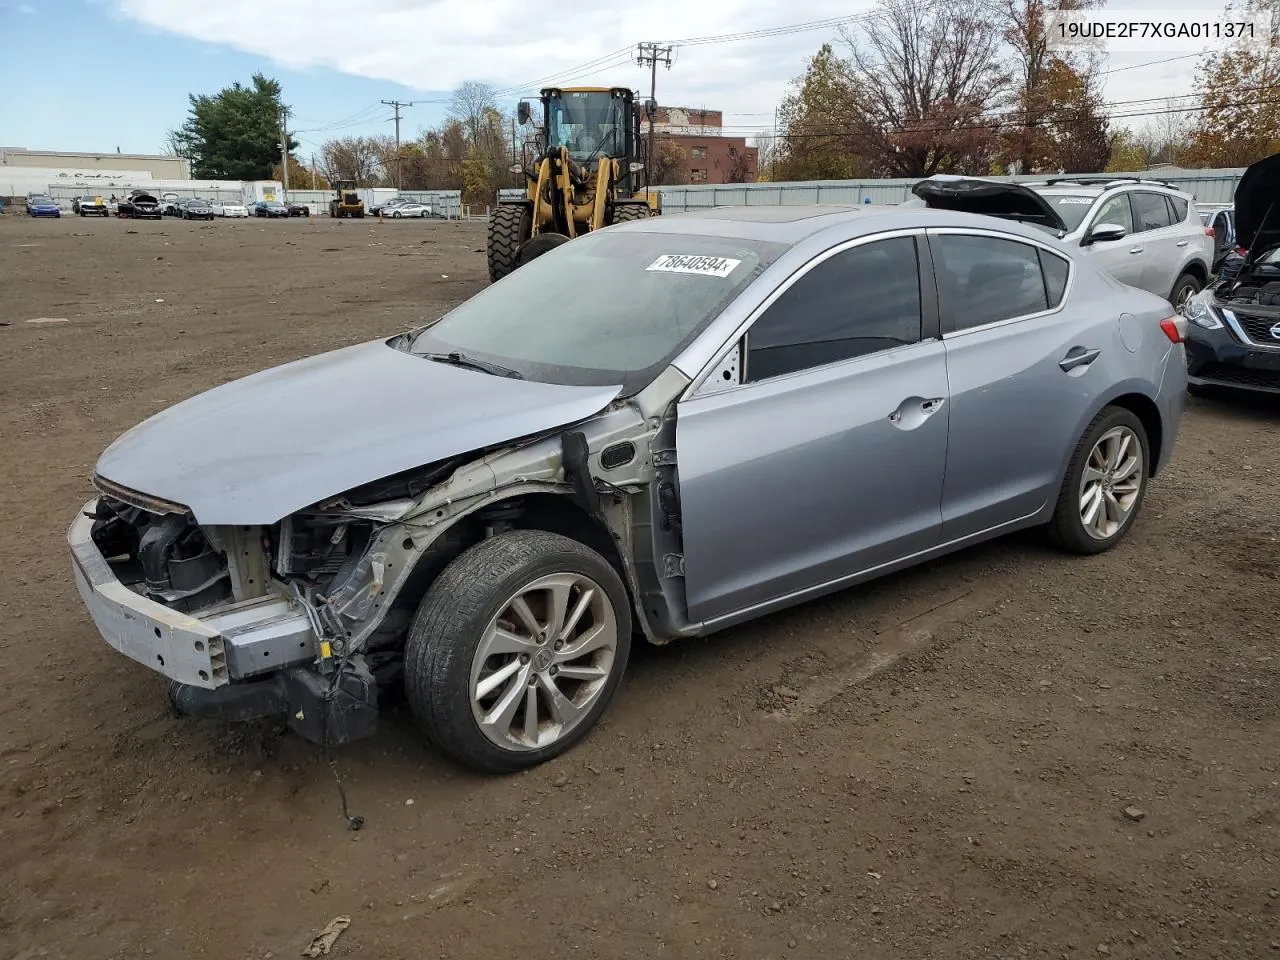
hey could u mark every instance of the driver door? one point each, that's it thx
(1122, 258)
(828, 459)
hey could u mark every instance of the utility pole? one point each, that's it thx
(652, 54)
(284, 150)
(397, 106)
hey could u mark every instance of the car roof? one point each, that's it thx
(793, 225)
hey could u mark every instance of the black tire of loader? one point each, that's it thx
(627, 212)
(509, 227)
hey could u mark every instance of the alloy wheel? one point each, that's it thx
(1111, 482)
(543, 661)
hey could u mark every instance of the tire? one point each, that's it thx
(395, 214)
(441, 655)
(1184, 289)
(628, 212)
(542, 243)
(1067, 528)
(509, 227)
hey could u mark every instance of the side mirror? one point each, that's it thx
(635, 166)
(523, 113)
(516, 168)
(1106, 232)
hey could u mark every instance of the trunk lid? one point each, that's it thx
(993, 198)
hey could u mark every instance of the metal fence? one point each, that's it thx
(65, 193)
(444, 203)
(1207, 186)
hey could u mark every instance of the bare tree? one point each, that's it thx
(924, 79)
(1166, 136)
(469, 105)
(353, 158)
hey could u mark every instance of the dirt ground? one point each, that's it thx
(936, 765)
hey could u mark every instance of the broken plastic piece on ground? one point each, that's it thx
(323, 941)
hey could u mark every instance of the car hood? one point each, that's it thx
(994, 198)
(254, 450)
(1257, 198)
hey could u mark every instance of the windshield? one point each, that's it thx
(607, 308)
(590, 124)
(1072, 209)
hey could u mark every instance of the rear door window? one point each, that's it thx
(1150, 211)
(984, 280)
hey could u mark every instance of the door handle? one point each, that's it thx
(1078, 357)
(1135, 249)
(1183, 243)
(914, 411)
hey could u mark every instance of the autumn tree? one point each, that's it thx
(300, 177)
(1045, 81)
(739, 169)
(816, 141)
(670, 164)
(1239, 121)
(921, 81)
(1073, 136)
(1128, 153)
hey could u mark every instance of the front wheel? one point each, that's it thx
(1186, 287)
(1105, 484)
(517, 649)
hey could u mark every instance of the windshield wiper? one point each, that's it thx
(462, 360)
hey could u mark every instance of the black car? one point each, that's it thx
(197, 209)
(139, 205)
(270, 208)
(1233, 337)
(89, 207)
(298, 209)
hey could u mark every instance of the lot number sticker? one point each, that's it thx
(684, 263)
(1084, 201)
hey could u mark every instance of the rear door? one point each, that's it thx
(1164, 243)
(1019, 369)
(828, 459)
(1121, 258)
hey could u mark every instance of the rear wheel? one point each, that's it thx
(1105, 484)
(1186, 287)
(509, 228)
(517, 649)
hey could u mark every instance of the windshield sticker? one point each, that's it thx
(684, 263)
(1063, 201)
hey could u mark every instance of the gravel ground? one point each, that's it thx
(936, 765)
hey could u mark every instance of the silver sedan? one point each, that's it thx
(735, 411)
(411, 209)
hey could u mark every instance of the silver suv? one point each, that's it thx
(1144, 233)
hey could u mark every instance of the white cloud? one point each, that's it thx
(438, 44)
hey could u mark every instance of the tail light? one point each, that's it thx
(1175, 328)
(1209, 232)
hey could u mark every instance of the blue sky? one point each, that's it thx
(94, 75)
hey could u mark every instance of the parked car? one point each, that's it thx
(171, 205)
(386, 207)
(1233, 339)
(197, 209)
(410, 208)
(231, 210)
(139, 205)
(298, 209)
(784, 403)
(89, 207)
(270, 208)
(1143, 232)
(1220, 218)
(42, 205)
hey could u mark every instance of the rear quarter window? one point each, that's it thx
(1179, 209)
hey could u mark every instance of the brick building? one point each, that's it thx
(712, 157)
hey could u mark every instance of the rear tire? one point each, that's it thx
(1102, 477)
(509, 227)
(1186, 287)
(455, 644)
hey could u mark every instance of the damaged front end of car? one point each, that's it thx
(307, 617)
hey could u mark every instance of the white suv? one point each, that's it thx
(1144, 233)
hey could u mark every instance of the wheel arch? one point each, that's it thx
(1135, 397)
(1197, 269)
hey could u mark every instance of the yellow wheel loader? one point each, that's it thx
(587, 172)
(346, 200)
